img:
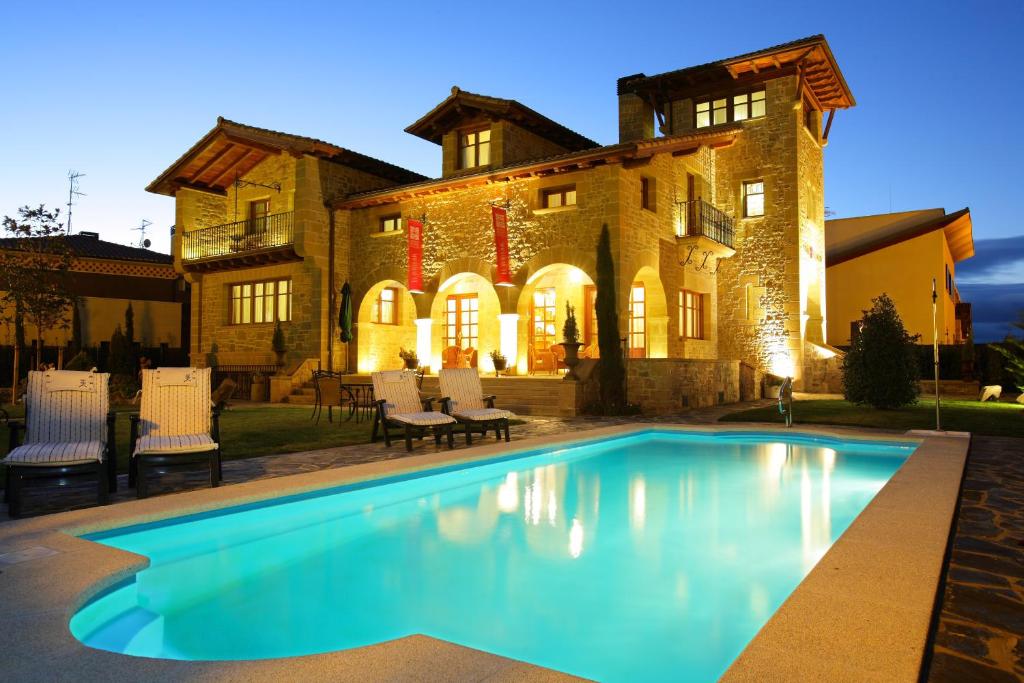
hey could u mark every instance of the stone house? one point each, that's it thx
(713, 196)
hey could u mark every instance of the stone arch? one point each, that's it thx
(655, 311)
(378, 343)
(584, 259)
(449, 283)
(567, 283)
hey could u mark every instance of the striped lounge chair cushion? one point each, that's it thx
(182, 443)
(481, 414)
(175, 403)
(66, 407)
(422, 419)
(51, 454)
(462, 386)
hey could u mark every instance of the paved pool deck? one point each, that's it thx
(862, 613)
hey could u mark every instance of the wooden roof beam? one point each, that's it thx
(213, 160)
(230, 167)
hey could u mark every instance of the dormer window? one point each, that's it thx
(559, 197)
(475, 148)
(391, 223)
(711, 112)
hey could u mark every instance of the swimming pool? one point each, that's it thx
(640, 557)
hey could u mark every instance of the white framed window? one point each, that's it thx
(266, 301)
(753, 198)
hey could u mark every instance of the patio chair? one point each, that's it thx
(176, 425)
(400, 405)
(465, 401)
(69, 432)
(331, 393)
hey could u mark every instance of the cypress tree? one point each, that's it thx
(129, 325)
(611, 370)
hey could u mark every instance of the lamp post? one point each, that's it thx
(935, 353)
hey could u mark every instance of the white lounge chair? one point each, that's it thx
(70, 432)
(177, 425)
(465, 401)
(399, 404)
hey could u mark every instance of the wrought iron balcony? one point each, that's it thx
(697, 218)
(239, 239)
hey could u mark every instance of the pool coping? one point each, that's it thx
(865, 608)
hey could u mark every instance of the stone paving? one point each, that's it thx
(980, 635)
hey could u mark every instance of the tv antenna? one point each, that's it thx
(144, 242)
(73, 192)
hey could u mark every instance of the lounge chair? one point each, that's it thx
(464, 400)
(176, 425)
(70, 432)
(399, 404)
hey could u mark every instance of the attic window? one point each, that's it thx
(475, 148)
(748, 105)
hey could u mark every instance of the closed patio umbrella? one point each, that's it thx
(345, 313)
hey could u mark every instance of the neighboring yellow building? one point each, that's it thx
(713, 196)
(899, 254)
(105, 277)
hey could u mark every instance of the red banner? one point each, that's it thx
(499, 217)
(415, 277)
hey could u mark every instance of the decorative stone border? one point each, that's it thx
(863, 612)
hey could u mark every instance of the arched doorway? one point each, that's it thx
(542, 313)
(465, 325)
(386, 324)
(647, 316)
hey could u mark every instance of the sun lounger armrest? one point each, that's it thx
(489, 400)
(112, 439)
(382, 407)
(428, 403)
(215, 424)
(14, 426)
(133, 430)
(446, 405)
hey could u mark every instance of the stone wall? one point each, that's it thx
(511, 144)
(759, 288)
(668, 385)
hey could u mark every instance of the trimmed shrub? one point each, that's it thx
(881, 367)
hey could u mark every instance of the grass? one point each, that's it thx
(250, 432)
(990, 419)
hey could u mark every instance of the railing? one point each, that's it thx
(254, 234)
(698, 218)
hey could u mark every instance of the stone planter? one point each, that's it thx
(572, 359)
(499, 366)
(258, 390)
(280, 361)
(411, 363)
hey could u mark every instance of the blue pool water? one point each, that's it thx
(652, 556)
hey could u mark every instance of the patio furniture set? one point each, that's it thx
(68, 430)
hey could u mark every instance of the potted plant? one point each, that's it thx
(500, 362)
(571, 342)
(409, 357)
(277, 344)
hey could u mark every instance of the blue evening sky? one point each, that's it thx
(119, 90)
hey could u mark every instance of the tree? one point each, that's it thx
(1012, 349)
(119, 362)
(76, 328)
(34, 268)
(881, 369)
(611, 371)
(129, 325)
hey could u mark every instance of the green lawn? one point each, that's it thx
(248, 432)
(993, 419)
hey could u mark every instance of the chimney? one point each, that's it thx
(90, 235)
(636, 115)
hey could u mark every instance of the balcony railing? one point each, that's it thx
(232, 239)
(697, 218)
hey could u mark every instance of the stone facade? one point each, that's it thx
(761, 282)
